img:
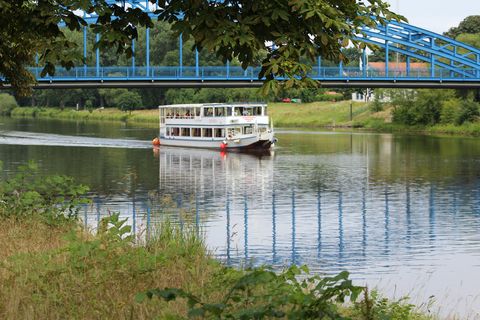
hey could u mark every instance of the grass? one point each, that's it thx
(109, 114)
(285, 115)
(64, 272)
(316, 114)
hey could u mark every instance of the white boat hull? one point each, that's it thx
(265, 141)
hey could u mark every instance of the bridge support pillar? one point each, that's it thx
(408, 66)
(432, 66)
(197, 69)
(97, 57)
(387, 58)
(387, 53)
(180, 55)
(133, 57)
(147, 58)
(36, 65)
(84, 51)
(478, 62)
(364, 62)
(432, 59)
(319, 65)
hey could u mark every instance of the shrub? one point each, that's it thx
(468, 111)
(450, 111)
(422, 108)
(375, 307)
(54, 198)
(128, 100)
(7, 104)
(263, 294)
(376, 105)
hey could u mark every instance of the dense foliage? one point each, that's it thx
(428, 107)
(7, 104)
(264, 294)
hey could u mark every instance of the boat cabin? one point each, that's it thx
(213, 122)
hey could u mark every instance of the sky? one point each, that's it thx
(436, 15)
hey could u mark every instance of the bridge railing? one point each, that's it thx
(126, 73)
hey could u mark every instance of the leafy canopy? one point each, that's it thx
(287, 29)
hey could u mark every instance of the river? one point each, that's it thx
(400, 212)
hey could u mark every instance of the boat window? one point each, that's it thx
(220, 112)
(259, 111)
(207, 132)
(188, 113)
(185, 132)
(197, 112)
(208, 112)
(238, 111)
(196, 132)
(169, 113)
(238, 130)
(229, 111)
(248, 129)
(175, 132)
(168, 131)
(219, 132)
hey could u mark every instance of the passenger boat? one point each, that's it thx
(216, 125)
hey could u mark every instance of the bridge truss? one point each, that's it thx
(447, 64)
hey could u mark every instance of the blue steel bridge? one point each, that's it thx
(447, 64)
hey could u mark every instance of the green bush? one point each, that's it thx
(128, 100)
(375, 307)
(329, 97)
(7, 104)
(263, 294)
(421, 108)
(468, 111)
(376, 105)
(55, 198)
(450, 111)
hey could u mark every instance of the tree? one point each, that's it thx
(128, 101)
(470, 25)
(230, 29)
(7, 103)
(472, 39)
(468, 111)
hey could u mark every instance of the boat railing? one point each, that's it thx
(177, 116)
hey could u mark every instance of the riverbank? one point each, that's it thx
(62, 272)
(51, 267)
(317, 115)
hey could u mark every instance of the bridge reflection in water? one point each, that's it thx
(332, 212)
(255, 209)
(252, 213)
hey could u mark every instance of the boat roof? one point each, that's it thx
(193, 105)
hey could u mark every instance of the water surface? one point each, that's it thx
(398, 211)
